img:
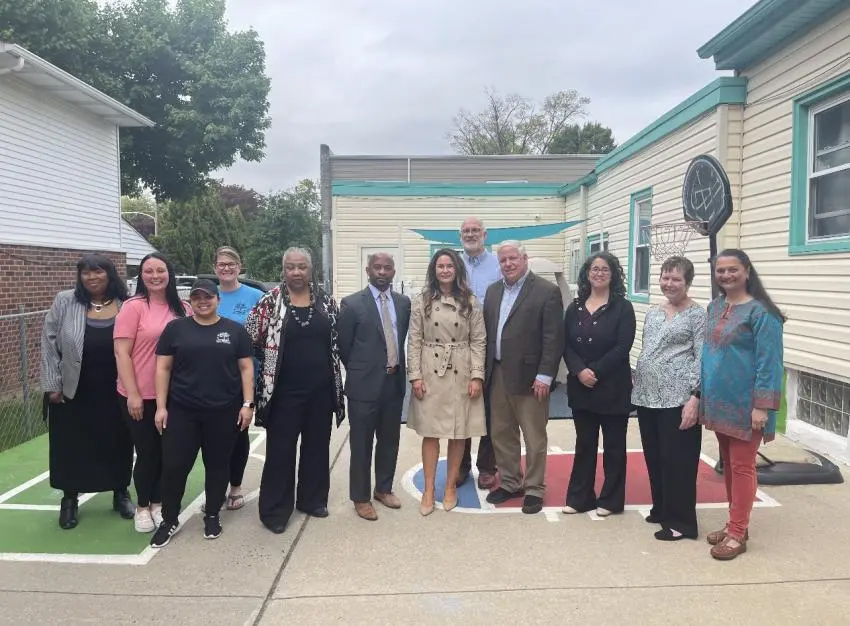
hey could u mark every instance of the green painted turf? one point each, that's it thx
(100, 531)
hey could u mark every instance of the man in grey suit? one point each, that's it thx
(524, 317)
(373, 327)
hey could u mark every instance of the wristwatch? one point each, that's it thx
(248, 405)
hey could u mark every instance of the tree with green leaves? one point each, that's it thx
(591, 138)
(249, 202)
(173, 61)
(191, 230)
(291, 218)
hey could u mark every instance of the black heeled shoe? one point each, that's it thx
(68, 513)
(122, 504)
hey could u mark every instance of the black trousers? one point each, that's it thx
(212, 431)
(239, 458)
(374, 424)
(486, 460)
(581, 492)
(307, 415)
(147, 472)
(672, 461)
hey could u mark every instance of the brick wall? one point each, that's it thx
(30, 277)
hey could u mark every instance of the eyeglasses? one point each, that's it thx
(470, 231)
(600, 270)
(226, 266)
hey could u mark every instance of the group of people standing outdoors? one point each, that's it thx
(485, 339)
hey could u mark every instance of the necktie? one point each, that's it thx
(389, 335)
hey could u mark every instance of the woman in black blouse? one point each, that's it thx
(600, 330)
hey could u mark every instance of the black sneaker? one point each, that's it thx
(212, 527)
(163, 534)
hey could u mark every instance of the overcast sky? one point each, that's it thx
(387, 76)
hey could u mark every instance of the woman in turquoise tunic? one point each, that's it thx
(741, 386)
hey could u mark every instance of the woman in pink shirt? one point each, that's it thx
(137, 329)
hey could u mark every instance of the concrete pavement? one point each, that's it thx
(462, 568)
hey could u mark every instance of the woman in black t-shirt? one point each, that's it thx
(204, 396)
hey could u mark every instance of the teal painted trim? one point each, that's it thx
(571, 188)
(393, 188)
(432, 248)
(798, 224)
(592, 239)
(724, 90)
(634, 199)
(770, 25)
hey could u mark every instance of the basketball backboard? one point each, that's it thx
(706, 195)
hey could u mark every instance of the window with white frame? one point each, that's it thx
(642, 218)
(593, 245)
(828, 173)
(575, 260)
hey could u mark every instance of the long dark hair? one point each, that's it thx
(460, 288)
(172, 298)
(116, 289)
(618, 277)
(754, 285)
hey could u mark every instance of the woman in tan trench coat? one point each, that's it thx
(445, 364)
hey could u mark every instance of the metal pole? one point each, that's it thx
(712, 251)
(22, 329)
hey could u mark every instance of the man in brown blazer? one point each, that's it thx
(523, 314)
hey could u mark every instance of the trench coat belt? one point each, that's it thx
(447, 348)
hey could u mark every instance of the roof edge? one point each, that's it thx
(723, 90)
(758, 13)
(72, 81)
(367, 188)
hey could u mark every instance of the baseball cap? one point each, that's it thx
(205, 285)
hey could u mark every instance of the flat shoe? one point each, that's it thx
(715, 537)
(568, 510)
(665, 534)
(724, 552)
(651, 519)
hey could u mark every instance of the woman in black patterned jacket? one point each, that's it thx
(294, 330)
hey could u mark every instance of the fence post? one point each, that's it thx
(22, 327)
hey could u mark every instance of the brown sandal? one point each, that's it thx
(717, 536)
(724, 552)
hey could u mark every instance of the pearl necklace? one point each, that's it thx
(98, 308)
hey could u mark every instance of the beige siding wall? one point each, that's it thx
(662, 167)
(572, 212)
(814, 290)
(384, 222)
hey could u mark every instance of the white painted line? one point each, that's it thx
(23, 487)
(258, 457)
(29, 507)
(551, 516)
(596, 518)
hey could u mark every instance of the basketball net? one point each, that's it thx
(670, 239)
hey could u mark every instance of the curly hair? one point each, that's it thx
(460, 288)
(618, 277)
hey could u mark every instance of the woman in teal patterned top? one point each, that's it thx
(741, 385)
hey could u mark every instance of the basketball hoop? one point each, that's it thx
(670, 239)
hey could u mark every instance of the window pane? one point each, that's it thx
(832, 127)
(642, 270)
(644, 210)
(834, 158)
(829, 205)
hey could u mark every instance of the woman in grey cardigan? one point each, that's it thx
(90, 446)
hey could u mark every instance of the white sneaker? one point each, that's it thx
(143, 521)
(156, 514)
(568, 510)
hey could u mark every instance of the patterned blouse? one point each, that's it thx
(668, 368)
(742, 368)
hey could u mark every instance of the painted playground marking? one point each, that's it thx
(143, 558)
(551, 513)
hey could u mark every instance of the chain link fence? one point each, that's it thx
(21, 397)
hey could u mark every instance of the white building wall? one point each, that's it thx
(59, 179)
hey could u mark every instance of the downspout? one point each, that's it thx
(582, 214)
(326, 201)
(17, 68)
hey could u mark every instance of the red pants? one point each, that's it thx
(739, 472)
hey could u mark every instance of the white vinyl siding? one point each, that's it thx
(812, 290)
(660, 167)
(386, 222)
(59, 176)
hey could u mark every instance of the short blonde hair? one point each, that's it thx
(511, 243)
(228, 252)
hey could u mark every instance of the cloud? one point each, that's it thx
(387, 77)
